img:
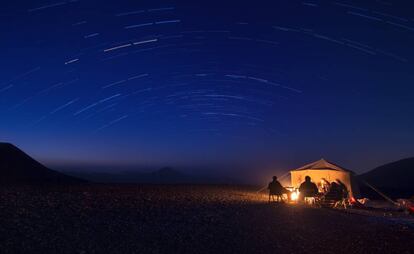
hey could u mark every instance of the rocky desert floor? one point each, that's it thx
(183, 219)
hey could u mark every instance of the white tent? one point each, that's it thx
(323, 170)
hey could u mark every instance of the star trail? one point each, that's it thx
(196, 84)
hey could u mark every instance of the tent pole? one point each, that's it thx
(264, 187)
(382, 194)
(283, 176)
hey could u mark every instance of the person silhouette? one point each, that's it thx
(308, 188)
(275, 190)
(344, 190)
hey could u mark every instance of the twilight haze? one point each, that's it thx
(208, 85)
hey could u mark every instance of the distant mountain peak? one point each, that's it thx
(17, 167)
(6, 145)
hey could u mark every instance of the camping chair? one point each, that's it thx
(309, 198)
(279, 197)
(310, 201)
(314, 201)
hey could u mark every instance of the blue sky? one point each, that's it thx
(201, 85)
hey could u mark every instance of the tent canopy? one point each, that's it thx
(322, 164)
(323, 170)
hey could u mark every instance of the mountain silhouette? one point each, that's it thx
(16, 167)
(395, 179)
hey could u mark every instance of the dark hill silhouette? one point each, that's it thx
(16, 167)
(395, 179)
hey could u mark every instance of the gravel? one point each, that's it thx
(183, 219)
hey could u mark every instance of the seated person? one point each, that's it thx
(308, 188)
(334, 193)
(276, 189)
(343, 189)
(337, 195)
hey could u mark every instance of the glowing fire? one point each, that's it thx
(294, 195)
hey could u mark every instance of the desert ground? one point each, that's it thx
(183, 219)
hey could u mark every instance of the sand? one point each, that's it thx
(183, 219)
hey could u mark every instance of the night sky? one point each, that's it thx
(208, 85)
